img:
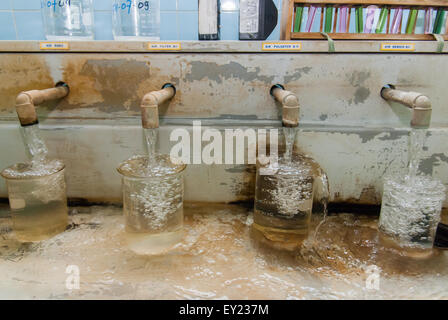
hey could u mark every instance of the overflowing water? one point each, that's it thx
(36, 191)
(412, 203)
(38, 206)
(284, 200)
(152, 199)
(152, 203)
(286, 192)
(321, 187)
(218, 258)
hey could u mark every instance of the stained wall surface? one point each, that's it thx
(354, 134)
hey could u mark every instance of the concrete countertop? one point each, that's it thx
(220, 258)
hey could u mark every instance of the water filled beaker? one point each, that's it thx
(411, 209)
(152, 203)
(68, 19)
(136, 19)
(37, 198)
(284, 199)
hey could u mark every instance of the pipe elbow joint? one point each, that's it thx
(290, 105)
(421, 112)
(419, 104)
(26, 109)
(290, 117)
(23, 98)
(422, 102)
(149, 100)
(291, 101)
(150, 111)
(26, 102)
(150, 105)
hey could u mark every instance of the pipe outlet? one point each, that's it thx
(290, 105)
(27, 101)
(419, 103)
(151, 102)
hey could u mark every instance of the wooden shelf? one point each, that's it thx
(289, 35)
(362, 36)
(423, 3)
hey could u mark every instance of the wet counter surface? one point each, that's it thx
(221, 258)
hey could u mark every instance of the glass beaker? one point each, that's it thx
(68, 19)
(136, 20)
(284, 199)
(411, 209)
(37, 198)
(152, 203)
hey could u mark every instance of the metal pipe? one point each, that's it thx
(150, 105)
(290, 105)
(27, 101)
(419, 103)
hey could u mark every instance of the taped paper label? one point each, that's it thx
(164, 46)
(54, 46)
(281, 46)
(393, 46)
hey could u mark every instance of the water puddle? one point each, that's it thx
(220, 257)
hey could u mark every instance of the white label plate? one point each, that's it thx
(281, 46)
(164, 46)
(395, 46)
(45, 45)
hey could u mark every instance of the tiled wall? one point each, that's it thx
(21, 20)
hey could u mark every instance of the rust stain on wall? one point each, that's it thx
(83, 92)
(217, 73)
(369, 195)
(243, 187)
(108, 85)
(21, 73)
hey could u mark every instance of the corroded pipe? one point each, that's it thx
(150, 105)
(290, 105)
(419, 103)
(27, 101)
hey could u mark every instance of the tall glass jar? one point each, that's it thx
(152, 203)
(37, 198)
(136, 19)
(284, 199)
(68, 19)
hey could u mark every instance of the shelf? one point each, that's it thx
(342, 43)
(421, 4)
(364, 36)
(424, 3)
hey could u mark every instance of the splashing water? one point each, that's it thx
(284, 201)
(218, 258)
(152, 203)
(412, 203)
(151, 140)
(36, 191)
(282, 197)
(34, 144)
(323, 194)
(39, 165)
